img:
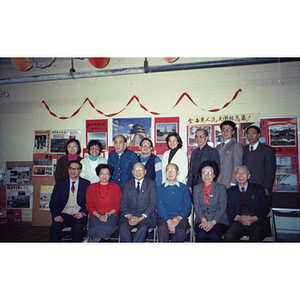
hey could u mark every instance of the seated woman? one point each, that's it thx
(102, 202)
(90, 163)
(210, 202)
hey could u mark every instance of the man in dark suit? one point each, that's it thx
(260, 159)
(247, 209)
(67, 204)
(137, 206)
(231, 154)
(199, 155)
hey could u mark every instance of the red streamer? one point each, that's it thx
(141, 105)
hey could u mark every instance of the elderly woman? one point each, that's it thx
(90, 163)
(210, 202)
(175, 155)
(102, 202)
(72, 153)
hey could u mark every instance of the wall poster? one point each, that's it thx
(162, 128)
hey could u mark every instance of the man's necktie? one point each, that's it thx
(243, 190)
(73, 187)
(138, 187)
(251, 149)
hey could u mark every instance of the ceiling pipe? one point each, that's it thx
(149, 69)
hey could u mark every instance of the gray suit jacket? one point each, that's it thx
(231, 157)
(217, 203)
(263, 165)
(144, 203)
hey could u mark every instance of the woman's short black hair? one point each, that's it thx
(209, 163)
(178, 139)
(104, 166)
(78, 145)
(94, 143)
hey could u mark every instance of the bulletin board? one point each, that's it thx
(40, 216)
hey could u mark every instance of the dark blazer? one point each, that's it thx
(217, 203)
(257, 204)
(60, 195)
(144, 203)
(263, 165)
(230, 158)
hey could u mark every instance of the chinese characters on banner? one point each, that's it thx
(96, 130)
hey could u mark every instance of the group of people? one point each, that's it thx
(229, 187)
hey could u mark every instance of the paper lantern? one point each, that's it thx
(98, 62)
(21, 63)
(170, 59)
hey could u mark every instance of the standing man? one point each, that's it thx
(231, 154)
(247, 209)
(122, 160)
(199, 155)
(138, 206)
(67, 204)
(173, 207)
(151, 162)
(260, 159)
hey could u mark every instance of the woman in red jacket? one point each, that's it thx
(102, 202)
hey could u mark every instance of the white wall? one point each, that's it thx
(269, 89)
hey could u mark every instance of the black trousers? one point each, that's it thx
(238, 230)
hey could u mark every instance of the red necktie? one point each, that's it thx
(73, 187)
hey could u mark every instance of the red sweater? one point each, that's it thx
(93, 200)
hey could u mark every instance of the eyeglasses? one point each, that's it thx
(94, 148)
(74, 169)
(105, 173)
(207, 173)
(171, 170)
(138, 169)
(227, 129)
(200, 136)
(146, 145)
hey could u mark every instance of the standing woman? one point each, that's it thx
(103, 204)
(210, 203)
(175, 155)
(72, 153)
(90, 163)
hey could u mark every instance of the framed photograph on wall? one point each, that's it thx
(162, 128)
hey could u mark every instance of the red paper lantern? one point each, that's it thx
(170, 59)
(98, 62)
(21, 63)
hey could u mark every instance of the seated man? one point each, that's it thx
(247, 209)
(137, 206)
(67, 204)
(173, 207)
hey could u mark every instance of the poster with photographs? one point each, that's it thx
(59, 139)
(134, 130)
(19, 196)
(18, 175)
(41, 141)
(162, 128)
(282, 134)
(45, 196)
(44, 164)
(96, 130)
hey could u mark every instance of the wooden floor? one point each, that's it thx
(11, 232)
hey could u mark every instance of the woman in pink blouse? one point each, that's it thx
(210, 202)
(102, 202)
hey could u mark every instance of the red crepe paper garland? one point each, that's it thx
(141, 105)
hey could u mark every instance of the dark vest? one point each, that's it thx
(150, 167)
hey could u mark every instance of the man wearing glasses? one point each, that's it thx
(67, 204)
(231, 154)
(202, 153)
(151, 162)
(137, 206)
